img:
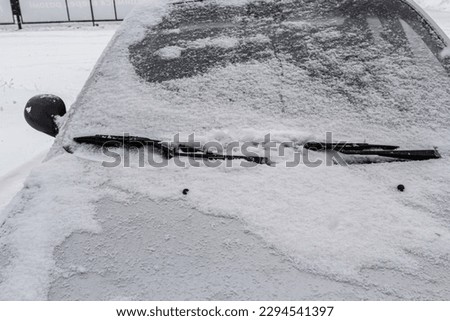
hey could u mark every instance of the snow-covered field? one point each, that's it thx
(39, 59)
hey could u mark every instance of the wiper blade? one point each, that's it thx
(183, 150)
(117, 141)
(165, 148)
(415, 155)
(364, 149)
(341, 147)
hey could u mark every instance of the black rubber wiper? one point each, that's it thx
(375, 150)
(181, 150)
(341, 147)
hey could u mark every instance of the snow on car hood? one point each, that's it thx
(260, 68)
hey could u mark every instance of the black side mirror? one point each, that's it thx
(40, 113)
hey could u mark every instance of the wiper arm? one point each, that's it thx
(375, 150)
(165, 149)
(342, 147)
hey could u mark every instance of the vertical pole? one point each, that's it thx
(115, 9)
(19, 22)
(17, 13)
(92, 13)
(67, 9)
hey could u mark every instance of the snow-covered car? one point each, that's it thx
(100, 223)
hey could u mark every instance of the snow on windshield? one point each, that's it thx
(364, 70)
(314, 65)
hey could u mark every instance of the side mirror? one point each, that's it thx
(40, 113)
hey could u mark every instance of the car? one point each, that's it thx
(154, 215)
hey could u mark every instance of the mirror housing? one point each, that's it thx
(40, 112)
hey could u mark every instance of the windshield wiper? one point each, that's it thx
(183, 150)
(364, 149)
(166, 150)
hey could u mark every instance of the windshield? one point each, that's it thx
(327, 39)
(363, 59)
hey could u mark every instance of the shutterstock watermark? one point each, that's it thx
(194, 153)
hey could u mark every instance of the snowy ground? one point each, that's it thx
(57, 59)
(39, 59)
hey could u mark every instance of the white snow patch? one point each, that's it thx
(171, 31)
(296, 24)
(258, 38)
(170, 52)
(233, 2)
(445, 53)
(51, 208)
(12, 182)
(221, 42)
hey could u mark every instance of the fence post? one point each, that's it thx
(115, 9)
(92, 13)
(15, 8)
(19, 21)
(67, 9)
